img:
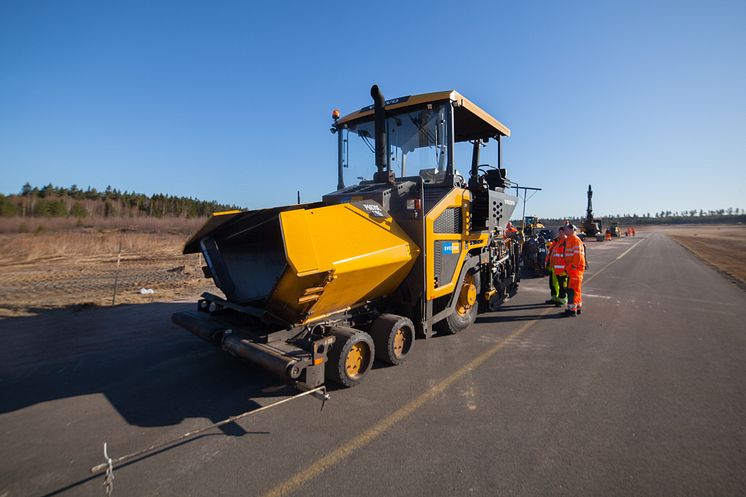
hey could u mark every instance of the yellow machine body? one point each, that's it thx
(338, 256)
(461, 243)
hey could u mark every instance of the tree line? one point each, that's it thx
(694, 216)
(56, 201)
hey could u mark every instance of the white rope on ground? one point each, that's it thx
(108, 464)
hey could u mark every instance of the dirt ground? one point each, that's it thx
(79, 269)
(52, 270)
(723, 247)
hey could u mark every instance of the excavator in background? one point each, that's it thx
(591, 227)
(314, 292)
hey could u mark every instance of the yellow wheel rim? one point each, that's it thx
(356, 360)
(400, 342)
(468, 296)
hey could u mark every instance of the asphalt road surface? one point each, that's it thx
(644, 394)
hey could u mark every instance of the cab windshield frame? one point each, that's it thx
(427, 128)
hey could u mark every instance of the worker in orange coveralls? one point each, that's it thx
(574, 267)
(607, 236)
(510, 230)
(633, 230)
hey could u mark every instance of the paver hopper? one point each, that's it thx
(302, 263)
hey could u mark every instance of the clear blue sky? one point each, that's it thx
(231, 100)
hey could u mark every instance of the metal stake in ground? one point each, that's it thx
(116, 274)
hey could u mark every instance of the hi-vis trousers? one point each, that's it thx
(574, 290)
(558, 286)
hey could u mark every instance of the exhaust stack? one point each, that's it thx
(382, 163)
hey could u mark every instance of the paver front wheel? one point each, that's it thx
(466, 307)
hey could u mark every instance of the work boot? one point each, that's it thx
(551, 301)
(560, 302)
(580, 311)
(570, 313)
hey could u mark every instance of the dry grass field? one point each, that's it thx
(78, 268)
(59, 266)
(723, 247)
(181, 225)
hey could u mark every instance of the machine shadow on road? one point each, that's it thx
(152, 372)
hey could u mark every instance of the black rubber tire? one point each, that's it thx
(455, 322)
(345, 339)
(383, 331)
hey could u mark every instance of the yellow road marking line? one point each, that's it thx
(365, 438)
(344, 451)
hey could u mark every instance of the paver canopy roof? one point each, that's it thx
(471, 121)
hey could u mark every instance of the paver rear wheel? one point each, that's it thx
(350, 357)
(393, 336)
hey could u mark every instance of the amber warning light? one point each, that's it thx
(335, 114)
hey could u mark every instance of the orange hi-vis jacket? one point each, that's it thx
(574, 259)
(557, 257)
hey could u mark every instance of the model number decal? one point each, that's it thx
(374, 210)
